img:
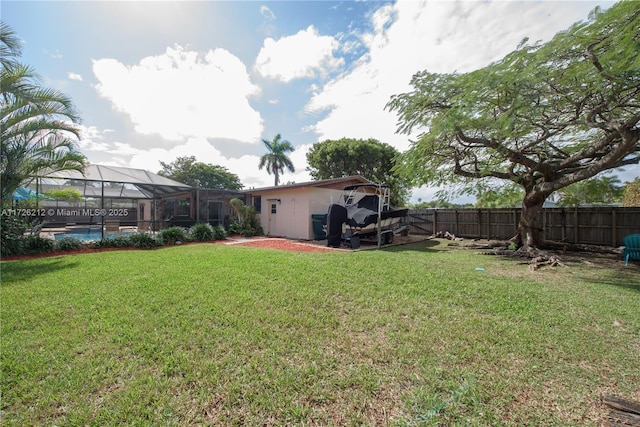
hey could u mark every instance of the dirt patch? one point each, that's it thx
(283, 244)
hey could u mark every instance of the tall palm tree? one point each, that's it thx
(38, 125)
(276, 159)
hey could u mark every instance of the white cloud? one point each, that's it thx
(267, 13)
(439, 36)
(245, 167)
(53, 55)
(305, 54)
(92, 139)
(74, 76)
(181, 93)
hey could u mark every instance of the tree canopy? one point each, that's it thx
(276, 159)
(604, 189)
(370, 158)
(37, 124)
(544, 117)
(189, 171)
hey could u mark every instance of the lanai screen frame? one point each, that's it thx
(148, 185)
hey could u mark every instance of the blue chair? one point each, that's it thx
(631, 248)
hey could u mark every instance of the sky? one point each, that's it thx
(156, 80)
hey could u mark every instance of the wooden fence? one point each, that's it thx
(603, 226)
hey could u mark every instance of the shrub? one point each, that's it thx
(201, 232)
(113, 242)
(144, 241)
(20, 237)
(246, 229)
(68, 244)
(219, 233)
(171, 235)
(34, 244)
(247, 223)
(12, 231)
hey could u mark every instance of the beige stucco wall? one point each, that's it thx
(293, 213)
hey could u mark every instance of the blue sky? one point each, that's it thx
(157, 80)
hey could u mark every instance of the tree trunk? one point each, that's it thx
(529, 228)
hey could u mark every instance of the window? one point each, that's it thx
(257, 203)
(273, 208)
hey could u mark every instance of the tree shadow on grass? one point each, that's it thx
(426, 245)
(12, 272)
(623, 277)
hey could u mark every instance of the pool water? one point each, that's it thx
(88, 235)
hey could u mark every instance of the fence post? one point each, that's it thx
(575, 224)
(435, 221)
(613, 227)
(479, 223)
(456, 215)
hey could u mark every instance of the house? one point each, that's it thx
(288, 210)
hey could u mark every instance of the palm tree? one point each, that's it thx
(38, 131)
(276, 159)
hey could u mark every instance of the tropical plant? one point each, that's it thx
(68, 244)
(219, 233)
(70, 195)
(12, 231)
(113, 242)
(35, 244)
(201, 232)
(544, 117)
(38, 125)
(143, 241)
(276, 159)
(247, 223)
(171, 235)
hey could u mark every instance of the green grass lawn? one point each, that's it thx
(407, 336)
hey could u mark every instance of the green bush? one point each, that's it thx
(12, 231)
(246, 228)
(113, 242)
(34, 244)
(19, 237)
(201, 232)
(144, 241)
(219, 233)
(171, 235)
(68, 244)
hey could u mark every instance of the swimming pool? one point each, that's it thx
(88, 234)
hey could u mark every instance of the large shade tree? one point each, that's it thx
(276, 159)
(38, 125)
(189, 171)
(544, 117)
(370, 158)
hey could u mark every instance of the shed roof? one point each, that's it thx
(333, 183)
